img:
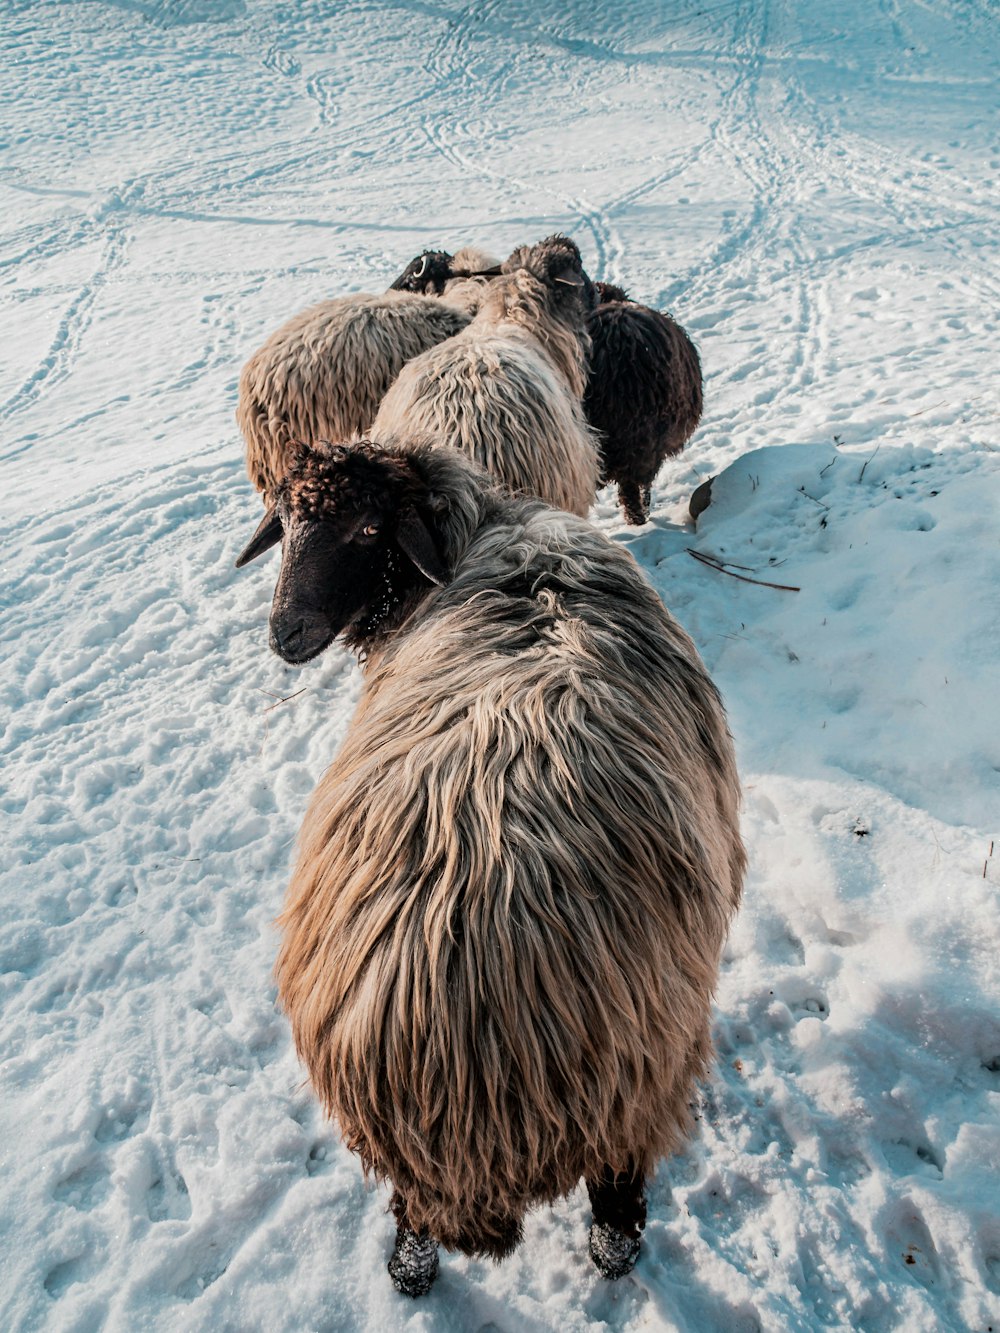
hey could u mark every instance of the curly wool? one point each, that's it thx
(324, 481)
(513, 884)
(323, 374)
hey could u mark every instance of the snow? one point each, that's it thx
(811, 189)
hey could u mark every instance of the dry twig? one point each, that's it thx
(720, 565)
(861, 476)
(284, 699)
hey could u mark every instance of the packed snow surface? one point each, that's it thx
(811, 189)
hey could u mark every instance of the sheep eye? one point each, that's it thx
(371, 530)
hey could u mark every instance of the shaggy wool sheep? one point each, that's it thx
(644, 388)
(644, 393)
(513, 884)
(506, 391)
(323, 374)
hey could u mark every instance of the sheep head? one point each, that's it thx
(556, 264)
(355, 522)
(431, 272)
(427, 274)
(608, 291)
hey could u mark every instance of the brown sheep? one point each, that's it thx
(513, 884)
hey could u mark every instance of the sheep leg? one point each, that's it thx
(414, 1263)
(619, 1207)
(634, 499)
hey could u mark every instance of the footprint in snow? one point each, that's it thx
(120, 1123)
(64, 1275)
(167, 1196)
(84, 1188)
(908, 1239)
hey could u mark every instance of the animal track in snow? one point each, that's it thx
(168, 1197)
(64, 1275)
(909, 1241)
(281, 61)
(725, 1201)
(317, 1160)
(86, 1187)
(117, 1123)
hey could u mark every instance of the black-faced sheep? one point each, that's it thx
(323, 374)
(507, 390)
(503, 929)
(460, 279)
(644, 388)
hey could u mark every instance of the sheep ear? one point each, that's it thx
(268, 534)
(416, 541)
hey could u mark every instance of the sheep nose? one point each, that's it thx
(287, 637)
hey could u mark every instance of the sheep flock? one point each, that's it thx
(514, 882)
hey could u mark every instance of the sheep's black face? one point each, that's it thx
(427, 274)
(355, 550)
(335, 574)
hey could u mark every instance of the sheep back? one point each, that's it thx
(513, 884)
(500, 401)
(323, 374)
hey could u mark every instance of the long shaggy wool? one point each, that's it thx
(644, 394)
(505, 392)
(497, 399)
(513, 884)
(465, 290)
(518, 299)
(323, 374)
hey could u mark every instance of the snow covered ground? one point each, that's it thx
(811, 189)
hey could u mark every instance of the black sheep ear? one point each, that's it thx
(416, 541)
(268, 534)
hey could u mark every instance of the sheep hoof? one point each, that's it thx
(414, 1263)
(613, 1253)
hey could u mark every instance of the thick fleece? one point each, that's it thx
(322, 375)
(513, 884)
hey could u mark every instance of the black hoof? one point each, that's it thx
(414, 1263)
(613, 1253)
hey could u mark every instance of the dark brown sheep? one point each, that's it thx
(643, 395)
